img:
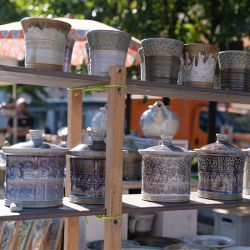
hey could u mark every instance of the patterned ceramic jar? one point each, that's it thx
(142, 64)
(220, 170)
(199, 63)
(235, 69)
(162, 59)
(45, 42)
(106, 48)
(34, 173)
(159, 120)
(166, 172)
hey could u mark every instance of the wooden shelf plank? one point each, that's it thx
(52, 78)
(134, 203)
(67, 210)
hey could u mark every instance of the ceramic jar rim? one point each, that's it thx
(150, 39)
(35, 151)
(222, 152)
(42, 22)
(228, 52)
(110, 31)
(208, 48)
(147, 151)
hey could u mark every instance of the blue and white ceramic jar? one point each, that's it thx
(220, 170)
(34, 173)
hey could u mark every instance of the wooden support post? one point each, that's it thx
(114, 159)
(71, 226)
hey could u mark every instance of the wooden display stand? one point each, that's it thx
(115, 202)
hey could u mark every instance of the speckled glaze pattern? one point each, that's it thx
(220, 176)
(246, 176)
(87, 180)
(34, 181)
(162, 47)
(166, 179)
(234, 59)
(108, 40)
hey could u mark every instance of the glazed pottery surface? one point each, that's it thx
(158, 241)
(159, 120)
(142, 64)
(220, 170)
(99, 121)
(45, 41)
(166, 172)
(106, 48)
(161, 58)
(140, 224)
(87, 171)
(188, 247)
(199, 63)
(246, 176)
(34, 173)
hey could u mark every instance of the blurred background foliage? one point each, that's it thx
(214, 21)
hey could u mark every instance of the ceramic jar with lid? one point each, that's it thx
(45, 42)
(246, 175)
(87, 171)
(166, 172)
(34, 173)
(106, 48)
(159, 120)
(220, 170)
(199, 63)
(99, 121)
(162, 59)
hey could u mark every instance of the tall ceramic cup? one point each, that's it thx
(199, 64)
(162, 59)
(106, 48)
(45, 42)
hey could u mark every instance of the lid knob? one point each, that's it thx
(222, 137)
(166, 139)
(36, 136)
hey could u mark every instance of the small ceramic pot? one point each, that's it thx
(220, 170)
(68, 52)
(106, 48)
(34, 173)
(166, 172)
(162, 59)
(246, 176)
(142, 64)
(159, 120)
(87, 171)
(199, 63)
(235, 70)
(45, 42)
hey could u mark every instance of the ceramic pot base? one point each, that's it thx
(82, 200)
(218, 196)
(44, 66)
(35, 204)
(166, 198)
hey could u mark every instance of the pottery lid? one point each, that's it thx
(35, 145)
(166, 148)
(42, 22)
(221, 146)
(96, 147)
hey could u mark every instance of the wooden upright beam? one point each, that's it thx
(71, 226)
(114, 156)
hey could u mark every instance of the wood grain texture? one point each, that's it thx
(114, 159)
(53, 78)
(71, 225)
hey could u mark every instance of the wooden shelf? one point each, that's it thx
(67, 210)
(131, 203)
(44, 77)
(134, 203)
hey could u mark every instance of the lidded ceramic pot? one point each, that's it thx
(162, 59)
(220, 170)
(87, 171)
(166, 172)
(199, 63)
(246, 175)
(99, 121)
(34, 173)
(106, 48)
(45, 42)
(159, 120)
(234, 69)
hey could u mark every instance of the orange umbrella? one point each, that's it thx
(12, 41)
